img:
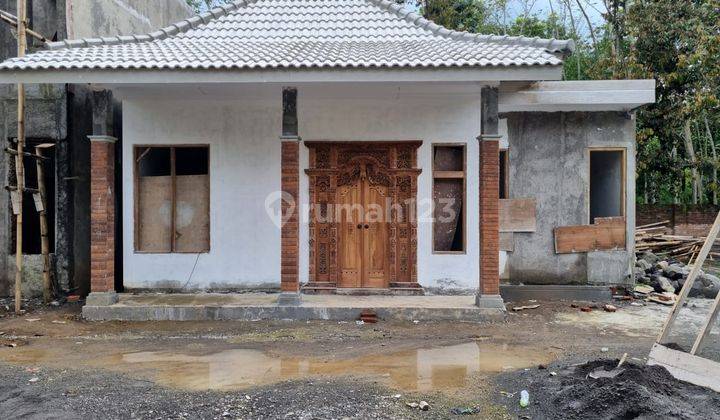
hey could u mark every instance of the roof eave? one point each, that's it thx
(331, 75)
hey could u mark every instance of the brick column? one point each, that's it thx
(102, 221)
(290, 231)
(489, 217)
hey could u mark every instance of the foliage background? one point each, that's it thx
(675, 42)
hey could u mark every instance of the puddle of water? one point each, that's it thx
(437, 368)
(420, 370)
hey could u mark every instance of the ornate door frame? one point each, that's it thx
(330, 164)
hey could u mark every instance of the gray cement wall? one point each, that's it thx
(549, 160)
(63, 114)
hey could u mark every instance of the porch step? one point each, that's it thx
(395, 291)
(319, 288)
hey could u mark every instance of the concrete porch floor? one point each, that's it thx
(255, 306)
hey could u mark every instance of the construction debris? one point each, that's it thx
(522, 308)
(659, 278)
(653, 238)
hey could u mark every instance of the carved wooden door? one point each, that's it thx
(350, 225)
(374, 236)
(363, 234)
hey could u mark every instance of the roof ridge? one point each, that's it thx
(182, 26)
(551, 45)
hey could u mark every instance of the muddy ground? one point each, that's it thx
(54, 365)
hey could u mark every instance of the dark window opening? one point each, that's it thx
(32, 240)
(607, 184)
(448, 198)
(504, 167)
(289, 118)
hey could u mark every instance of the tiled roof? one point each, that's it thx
(282, 34)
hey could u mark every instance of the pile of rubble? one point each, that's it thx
(668, 276)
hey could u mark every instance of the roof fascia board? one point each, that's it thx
(120, 77)
(610, 95)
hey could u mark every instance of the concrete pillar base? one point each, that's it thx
(101, 299)
(489, 302)
(289, 299)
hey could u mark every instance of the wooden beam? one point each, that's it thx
(19, 164)
(585, 238)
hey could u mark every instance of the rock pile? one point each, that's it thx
(670, 275)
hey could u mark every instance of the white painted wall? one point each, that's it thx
(242, 129)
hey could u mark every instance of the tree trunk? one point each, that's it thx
(715, 160)
(690, 151)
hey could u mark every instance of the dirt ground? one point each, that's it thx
(55, 365)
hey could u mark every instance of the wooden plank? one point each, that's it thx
(517, 215)
(694, 272)
(507, 242)
(155, 213)
(610, 220)
(449, 174)
(686, 367)
(192, 222)
(584, 238)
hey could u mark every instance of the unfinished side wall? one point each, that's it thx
(549, 161)
(63, 114)
(93, 18)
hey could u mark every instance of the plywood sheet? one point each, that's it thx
(154, 212)
(192, 223)
(507, 242)
(584, 238)
(517, 215)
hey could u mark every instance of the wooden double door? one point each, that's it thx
(363, 233)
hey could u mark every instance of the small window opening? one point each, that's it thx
(607, 184)
(449, 199)
(504, 167)
(290, 118)
(172, 199)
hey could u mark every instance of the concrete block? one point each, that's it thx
(608, 267)
(516, 293)
(101, 299)
(490, 302)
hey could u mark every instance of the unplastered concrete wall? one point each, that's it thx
(549, 160)
(94, 18)
(243, 128)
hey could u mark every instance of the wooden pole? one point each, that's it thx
(19, 166)
(42, 212)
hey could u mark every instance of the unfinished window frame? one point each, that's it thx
(623, 183)
(136, 196)
(437, 174)
(505, 188)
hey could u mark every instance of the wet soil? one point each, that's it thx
(304, 369)
(638, 391)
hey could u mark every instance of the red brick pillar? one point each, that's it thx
(290, 230)
(102, 221)
(489, 215)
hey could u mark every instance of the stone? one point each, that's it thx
(675, 272)
(665, 284)
(610, 308)
(706, 286)
(650, 257)
(424, 406)
(663, 265)
(643, 265)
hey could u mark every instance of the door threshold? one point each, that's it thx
(369, 291)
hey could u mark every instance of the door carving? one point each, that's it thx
(362, 227)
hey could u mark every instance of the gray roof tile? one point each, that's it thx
(269, 34)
